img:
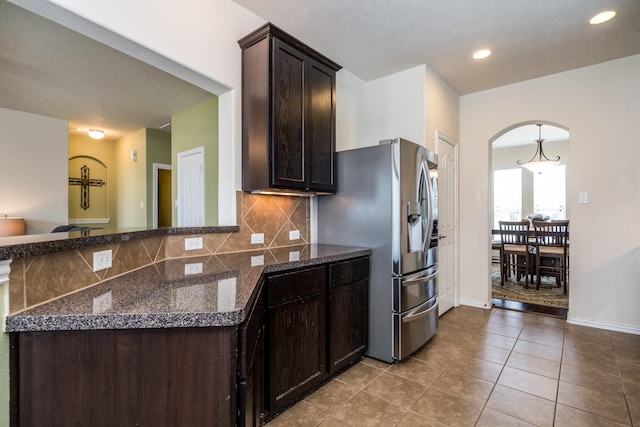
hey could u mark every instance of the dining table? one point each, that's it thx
(496, 244)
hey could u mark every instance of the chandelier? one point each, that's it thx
(539, 162)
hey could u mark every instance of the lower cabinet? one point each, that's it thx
(316, 326)
(349, 312)
(305, 326)
(296, 335)
(106, 378)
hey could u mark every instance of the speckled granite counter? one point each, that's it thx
(165, 295)
(39, 244)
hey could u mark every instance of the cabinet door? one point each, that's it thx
(297, 349)
(251, 367)
(320, 126)
(348, 323)
(287, 148)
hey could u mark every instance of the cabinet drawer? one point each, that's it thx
(289, 286)
(349, 271)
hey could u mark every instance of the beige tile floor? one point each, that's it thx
(488, 368)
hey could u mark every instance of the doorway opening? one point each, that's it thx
(162, 208)
(517, 194)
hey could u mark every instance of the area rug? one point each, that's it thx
(549, 293)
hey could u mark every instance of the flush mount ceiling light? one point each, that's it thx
(96, 133)
(539, 162)
(602, 17)
(481, 54)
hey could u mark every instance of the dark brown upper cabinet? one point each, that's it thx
(288, 115)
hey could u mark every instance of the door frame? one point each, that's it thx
(156, 189)
(441, 137)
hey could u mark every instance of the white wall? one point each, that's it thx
(350, 96)
(33, 169)
(600, 106)
(442, 109)
(410, 104)
(394, 107)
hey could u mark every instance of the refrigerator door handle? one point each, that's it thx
(411, 282)
(415, 316)
(427, 198)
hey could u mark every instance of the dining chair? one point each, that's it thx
(516, 250)
(552, 251)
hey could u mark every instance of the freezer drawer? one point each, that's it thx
(413, 290)
(414, 328)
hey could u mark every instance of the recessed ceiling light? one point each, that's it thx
(481, 54)
(96, 133)
(602, 17)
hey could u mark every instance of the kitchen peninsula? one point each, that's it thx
(184, 340)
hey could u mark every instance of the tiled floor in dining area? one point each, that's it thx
(488, 368)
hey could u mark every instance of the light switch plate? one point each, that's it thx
(102, 260)
(294, 256)
(257, 260)
(583, 198)
(257, 238)
(192, 243)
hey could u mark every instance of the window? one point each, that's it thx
(549, 192)
(507, 195)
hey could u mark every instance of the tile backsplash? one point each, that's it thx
(38, 279)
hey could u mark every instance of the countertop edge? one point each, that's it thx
(41, 244)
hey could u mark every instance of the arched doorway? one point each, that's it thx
(520, 194)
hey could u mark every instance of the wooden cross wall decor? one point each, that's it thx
(85, 182)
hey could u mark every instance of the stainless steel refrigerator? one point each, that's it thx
(387, 201)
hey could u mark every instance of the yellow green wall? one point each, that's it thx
(195, 127)
(158, 151)
(132, 180)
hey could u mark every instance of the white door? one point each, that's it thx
(190, 202)
(447, 151)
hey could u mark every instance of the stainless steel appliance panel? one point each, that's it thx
(414, 328)
(412, 199)
(360, 214)
(413, 290)
(384, 202)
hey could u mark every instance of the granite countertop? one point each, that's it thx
(219, 292)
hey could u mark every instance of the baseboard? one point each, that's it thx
(477, 304)
(629, 329)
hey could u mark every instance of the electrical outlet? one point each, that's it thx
(257, 238)
(102, 260)
(102, 302)
(193, 243)
(193, 268)
(294, 235)
(294, 256)
(257, 260)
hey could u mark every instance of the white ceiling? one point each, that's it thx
(48, 69)
(529, 38)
